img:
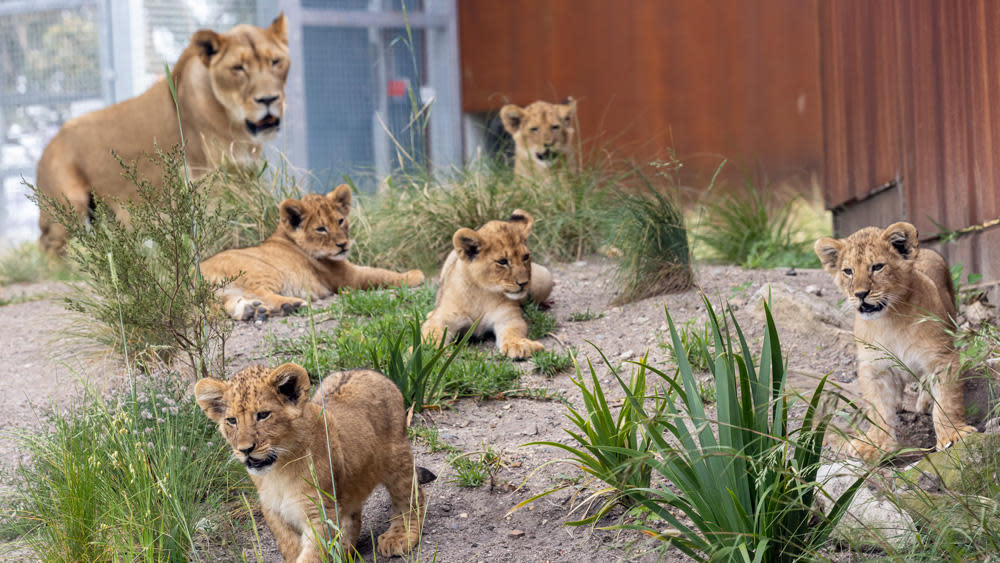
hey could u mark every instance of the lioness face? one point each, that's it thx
(248, 67)
(318, 224)
(498, 254)
(257, 411)
(542, 132)
(871, 266)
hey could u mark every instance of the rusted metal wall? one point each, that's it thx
(737, 78)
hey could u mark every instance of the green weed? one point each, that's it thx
(551, 364)
(430, 436)
(696, 344)
(541, 323)
(29, 264)
(587, 315)
(473, 469)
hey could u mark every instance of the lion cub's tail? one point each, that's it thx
(425, 475)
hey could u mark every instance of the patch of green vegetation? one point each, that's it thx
(474, 469)
(29, 264)
(429, 435)
(551, 364)
(587, 315)
(696, 343)
(541, 323)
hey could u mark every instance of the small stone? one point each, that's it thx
(791, 272)
(814, 290)
(663, 327)
(515, 533)
(627, 355)
(992, 426)
(641, 320)
(463, 515)
(579, 263)
(446, 507)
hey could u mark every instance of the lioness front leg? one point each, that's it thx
(883, 391)
(949, 407)
(512, 338)
(365, 277)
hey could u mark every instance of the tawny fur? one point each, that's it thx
(543, 137)
(305, 257)
(287, 442)
(486, 278)
(904, 305)
(227, 84)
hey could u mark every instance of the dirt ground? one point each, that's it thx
(474, 524)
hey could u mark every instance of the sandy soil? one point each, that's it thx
(474, 524)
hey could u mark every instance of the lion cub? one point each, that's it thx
(356, 420)
(486, 278)
(306, 256)
(894, 287)
(543, 136)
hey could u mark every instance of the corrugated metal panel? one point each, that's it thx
(718, 77)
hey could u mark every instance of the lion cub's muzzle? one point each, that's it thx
(260, 465)
(548, 156)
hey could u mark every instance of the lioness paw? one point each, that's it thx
(947, 439)
(521, 348)
(413, 277)
(867, 451)
(396, 542)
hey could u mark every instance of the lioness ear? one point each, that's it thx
(206, 43)
(468, 243)
(279, 27)
(511, 116)
(291, 212)
(291, 381)
(523, 219)
(828, 250)
(903, 238)
(208, 393)
(342, 196)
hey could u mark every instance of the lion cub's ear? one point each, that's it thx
(279, 27)
(291, 381)
(523, 219)
(206, 44)
(341, 195)
(467, 243)
(903, 238)
(567, 111)
(208, 393)
(511, 116)
(291, 212)
(828, 249)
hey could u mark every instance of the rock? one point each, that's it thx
(871, 521)
(515, 533)
(796, 310)
(979, 312)
(956, 467)
(814, 290)
(992, 426)
(627, 355)
(791, 272)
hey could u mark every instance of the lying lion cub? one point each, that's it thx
(486, 278)
(894, 287)
(543, 136)
(231, 98)
(306, 256)
(356, 420)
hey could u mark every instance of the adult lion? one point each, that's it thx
(230, 93)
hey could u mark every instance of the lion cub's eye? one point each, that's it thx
(877, 267)
(275, 62)
(239, 68)
(320, 229)
(340, 221)
(503, 262)
(231, 421)
(555, 127)
(533, 129)
(848, 272)
(526, 257)
(262, 415)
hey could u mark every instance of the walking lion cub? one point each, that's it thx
(306, 256)
(356, 422)
(904, 302)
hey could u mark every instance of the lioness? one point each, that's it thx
(543, 136)
(355, 421)
(894, 286)
(306, 256)
(230, 90)
(486, 278)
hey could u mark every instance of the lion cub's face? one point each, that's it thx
(872, 266)
(257, 411)
(318, 224)
(542, 132)
(497, 254)
(248, 67)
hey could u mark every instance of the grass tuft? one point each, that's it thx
(27, 263)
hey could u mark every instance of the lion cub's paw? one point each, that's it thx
(290, 307)
(413, 277)
(396, 542)
(951, 437)
(520, 348)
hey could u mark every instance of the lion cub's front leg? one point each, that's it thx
(949, 407)
(512, 334)
(883, 391)
(365, 277)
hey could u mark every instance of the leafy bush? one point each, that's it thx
(144, 284)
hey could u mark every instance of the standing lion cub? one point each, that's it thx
(485, 279)
(904, 302)
(543, 137)
(306, 256)
(356, 421)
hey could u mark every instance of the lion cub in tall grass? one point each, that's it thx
(485, 279)
(904, 302)
(317, 460)
(306, 256)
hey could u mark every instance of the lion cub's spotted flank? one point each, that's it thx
(287, 441)
(306, 256)
(897, 290)
(486, 278)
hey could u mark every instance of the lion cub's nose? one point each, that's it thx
(523, 284)
(862, 293)
(246, 451)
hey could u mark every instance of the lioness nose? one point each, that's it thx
(862, 293)
(266, 100)
(246, 451)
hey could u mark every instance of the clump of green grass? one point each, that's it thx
(541, 323)
(430, 436)
(551, 364)
(143, 279)
(696, 344)
(757, 227)
(138, 479)
(474, 469)
(584, 316)
(249, 195)
(27, 263)
(653, 242)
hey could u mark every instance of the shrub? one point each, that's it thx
(28, 264)
(249, 195)
(144, 284)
